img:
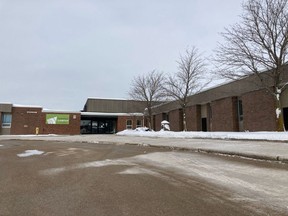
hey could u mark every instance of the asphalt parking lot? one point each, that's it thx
(61, 178)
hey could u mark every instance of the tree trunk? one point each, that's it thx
(151, 123)
(184, 119)
(150, 119)
(279, 115)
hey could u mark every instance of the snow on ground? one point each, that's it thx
(143, 132)
(29, 153)
(272, 136)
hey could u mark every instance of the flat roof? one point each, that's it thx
(109, 114)
(105, 98)
(59, 111)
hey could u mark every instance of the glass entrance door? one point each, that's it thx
(98, 126)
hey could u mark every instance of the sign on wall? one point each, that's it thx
(61, 119)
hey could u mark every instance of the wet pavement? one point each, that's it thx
(78, 178)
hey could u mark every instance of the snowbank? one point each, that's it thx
(272, 136)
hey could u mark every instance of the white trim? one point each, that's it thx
(99, 98)
(60, 111)
(26, 106)
(110, 114)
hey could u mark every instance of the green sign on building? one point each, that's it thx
(62, 119)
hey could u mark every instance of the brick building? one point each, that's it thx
(242, 105)
(20, 119)
(103, 115)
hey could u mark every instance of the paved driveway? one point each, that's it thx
(60, 178)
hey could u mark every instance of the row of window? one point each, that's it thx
(129, 123)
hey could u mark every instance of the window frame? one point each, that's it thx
(4, 123)
(129, 126)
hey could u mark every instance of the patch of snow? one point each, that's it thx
(142, 129)
(32, 135)
(1, 145)
(165, 126)
(278, 90)
(278, 93)
(165, 122)
(272, 136)
(136, 171)
(29, 153)
(278, 112)
(55, 171)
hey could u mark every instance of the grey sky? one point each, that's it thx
(57, 53)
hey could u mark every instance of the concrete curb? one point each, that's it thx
(208, 151)
(237, 154)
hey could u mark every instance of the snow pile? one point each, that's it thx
(142, 129)
(273, 136)
(165, 125)
(28, 153)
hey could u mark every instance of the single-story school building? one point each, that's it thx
(107, 116)
(242, 105)
(100, 116)
(23, 119)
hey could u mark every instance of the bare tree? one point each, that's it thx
(148, 88)
(188, 79)
(258, 46)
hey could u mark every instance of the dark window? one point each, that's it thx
(165, 116)
(129, 124)
(139, 123)
(285, 116)
(240, 110)
(204, 124)
(98, 125)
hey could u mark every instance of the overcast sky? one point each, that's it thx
(57, 53)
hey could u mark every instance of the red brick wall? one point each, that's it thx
(224, 115)
(73, 128)
(25, 120)
(0, 123)
(158, 119)
(121, 122)
(193, 118)
(259, 111)
(209, 117)
(176, 120)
